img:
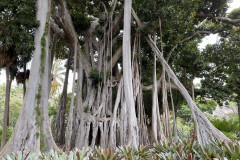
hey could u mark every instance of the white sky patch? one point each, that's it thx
(233, 5)
(211, 39)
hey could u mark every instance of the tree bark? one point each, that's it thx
(192, 88)
(166, 118)
(154, 101)
(70, 116)
(46, 132)
(184, 77)
(59, 134)
(223, 19)
(238, 103)
(52, 52)
(8, 111)
(174, 115)
(6, 108)
(155, 98)
(24, 83)
(127, 76)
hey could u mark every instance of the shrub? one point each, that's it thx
(182, 149)
(230, 126)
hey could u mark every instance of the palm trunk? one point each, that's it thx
(8, 111)
(6, 108)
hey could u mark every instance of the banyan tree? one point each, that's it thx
(105, 42)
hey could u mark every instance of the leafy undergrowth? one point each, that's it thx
(181, 150)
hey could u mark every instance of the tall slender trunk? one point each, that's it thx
(173, 111)
(59, 134)
(154, 98)
(185, 77)
(6, 108)
(127, 76)
(192, 88)
(238, 103)
(8, 111)
(52, 52)
(24, 82)
(166, 117)
(70, 116)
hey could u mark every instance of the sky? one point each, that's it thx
(211, 39)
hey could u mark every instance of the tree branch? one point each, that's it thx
(186, 39)
(149, 87)
(60, 33)
(115, 58)
(139, 22)
(214, 17)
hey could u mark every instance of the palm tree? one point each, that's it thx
(57, 77)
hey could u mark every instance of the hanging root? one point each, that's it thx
(206, 131)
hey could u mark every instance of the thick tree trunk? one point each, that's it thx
(25, 135)
(47, 141)
(59, 134)
(78, 129)
(6, 108)
(133, 138)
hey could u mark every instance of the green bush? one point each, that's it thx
(9, 132)
(229, 126)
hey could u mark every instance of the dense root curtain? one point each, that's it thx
(205, 130)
